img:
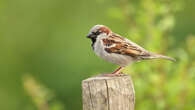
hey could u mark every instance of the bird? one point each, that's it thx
(118, 50)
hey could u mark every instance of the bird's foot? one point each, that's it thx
(113, 75)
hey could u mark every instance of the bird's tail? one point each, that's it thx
(158, 56)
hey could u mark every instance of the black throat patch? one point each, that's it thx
(93, 41)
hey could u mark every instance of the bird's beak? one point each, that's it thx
(89, 36)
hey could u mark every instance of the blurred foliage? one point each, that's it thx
(165, 85)
(42, 97)
(46, 39)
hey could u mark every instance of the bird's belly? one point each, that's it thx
(122, 60)
(118, 59)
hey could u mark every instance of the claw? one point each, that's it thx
(113, 75)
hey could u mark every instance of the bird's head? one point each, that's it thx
(97, 30)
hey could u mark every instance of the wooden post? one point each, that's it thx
(108, 93)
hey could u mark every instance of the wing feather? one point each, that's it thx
(116, 44)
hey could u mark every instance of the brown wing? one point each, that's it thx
(119, 45)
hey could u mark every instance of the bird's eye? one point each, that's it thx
(96, 33)
(93, 32)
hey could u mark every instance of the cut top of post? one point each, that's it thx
(108, 93)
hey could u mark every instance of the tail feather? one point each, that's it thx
(158, 56)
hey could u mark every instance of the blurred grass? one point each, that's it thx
(46, 39)
(42, 97)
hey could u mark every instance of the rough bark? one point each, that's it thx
(108, 93)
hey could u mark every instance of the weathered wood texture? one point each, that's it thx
(108, 93)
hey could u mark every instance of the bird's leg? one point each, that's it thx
(117, 71)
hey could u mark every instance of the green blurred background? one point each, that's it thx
(44, 54)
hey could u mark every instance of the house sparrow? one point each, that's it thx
(117, 49)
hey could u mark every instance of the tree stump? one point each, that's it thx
(108, 93)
